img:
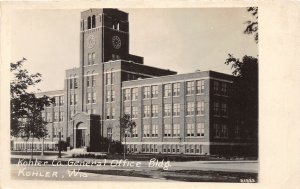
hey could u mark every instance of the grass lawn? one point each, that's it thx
(183, 175)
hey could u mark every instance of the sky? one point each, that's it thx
(183, 40)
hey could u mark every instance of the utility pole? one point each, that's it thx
(42, 146)
(59, 144)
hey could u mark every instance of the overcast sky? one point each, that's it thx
(182, 40)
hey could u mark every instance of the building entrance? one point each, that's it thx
(80, 138)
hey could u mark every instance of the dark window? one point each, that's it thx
(93, 21)
(89, 22)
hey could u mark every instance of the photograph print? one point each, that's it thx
(140, 94)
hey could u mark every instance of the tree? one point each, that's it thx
(252, 25)
(26, 107)
(126, 127)
(244, 99)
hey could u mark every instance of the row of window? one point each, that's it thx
(59, 101)
(168, 90)
(110, 95)
(220, 109)
(73, 99)
(73, 83)
(91, 22)
(221, 130)
(109, 77)
(110, 113)
(91, 58)
(166, 148)
(169, 130)
(90, 97)
(56, 132)
(168, 109)
(58, 116)
(35, 146)
(220, 88)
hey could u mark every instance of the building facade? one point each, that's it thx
(185, 113)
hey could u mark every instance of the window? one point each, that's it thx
(113, 96)
(167, 90)
(176, 130)
(93, 21)
(154, 111)
(109, 133)
(49, 116)
(237, 131)
(134, 93)
(61, 116)
(127, 110)
(88, 100)
(167, 110)
(108, 78)
(93, 81)
(224, 110)
(167, 130)
(89, 58)
(146, 92)
(176, 109)
(93, 97)
(75, 99)
(176, 89)
(216, 109)
(127, 95)
(200, 87)
(56, 116)
(61, 101)
(217, 130)
(112, 77)
(190, 108)
(71, 99)
(190, 87)
(113, 113)
(93, 58)
(154, 130)
(71, 83)
(190, 130)
(224, 131)
(108, 95)
(89, 22)
(146, 131)
(75, 83)
(200, 108)
(107, 110)
(87, 81)
(200, 129)
(224, 88)
(56, 101)
(134, 112)
(154, 91)
(134, 132)
(146, 111)
(216, 87)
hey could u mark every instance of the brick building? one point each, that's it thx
(175, 113)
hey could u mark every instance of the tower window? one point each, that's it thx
(89, 22)
(93, 21)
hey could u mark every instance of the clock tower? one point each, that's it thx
(104, 36)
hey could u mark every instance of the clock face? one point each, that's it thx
(91, 41)
(116, 42)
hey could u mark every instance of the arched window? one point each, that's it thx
(93, 21)
(89, 22)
